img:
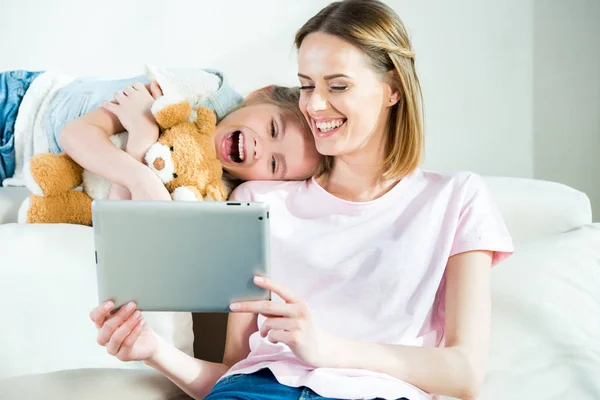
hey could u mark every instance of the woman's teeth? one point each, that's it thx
(241, 146)
(329, 125)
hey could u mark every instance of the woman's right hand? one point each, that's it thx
(124, 333)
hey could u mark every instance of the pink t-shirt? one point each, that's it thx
(372, 271)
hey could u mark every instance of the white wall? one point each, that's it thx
(567, 94)
(474, 58)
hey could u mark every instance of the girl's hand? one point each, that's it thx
(143, 184)
(290, 323)
(133, 108)
(124, 333)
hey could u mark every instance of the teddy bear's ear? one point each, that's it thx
(169, 112)
(206, 121)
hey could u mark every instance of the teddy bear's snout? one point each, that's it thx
(159, 159)
(159, 164)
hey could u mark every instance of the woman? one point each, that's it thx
(380, 270)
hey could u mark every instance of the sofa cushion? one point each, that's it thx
(48, 279)
(11, 199)
(91, 384)
(546, 320)
(534, 208)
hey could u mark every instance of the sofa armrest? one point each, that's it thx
(48, 282)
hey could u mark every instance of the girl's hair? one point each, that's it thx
(284, 97)
(378, 32)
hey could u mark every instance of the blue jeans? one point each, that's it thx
(13, 85)
(261, 385)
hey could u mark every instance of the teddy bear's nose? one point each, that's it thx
(159, 164)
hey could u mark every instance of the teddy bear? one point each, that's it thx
(183, 158)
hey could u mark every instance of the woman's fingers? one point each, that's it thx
(279, 289)
(98, 314)
(120, 334)
(267, 308)
(283, 324)
(134, 334)
(113, 322)
(285, 337)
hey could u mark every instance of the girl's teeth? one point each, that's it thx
(241, 146)
(329, 125)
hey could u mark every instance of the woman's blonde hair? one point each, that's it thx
(377, 31)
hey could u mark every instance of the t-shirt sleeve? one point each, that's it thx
(480, 224)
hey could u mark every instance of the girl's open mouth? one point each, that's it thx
(233, 147)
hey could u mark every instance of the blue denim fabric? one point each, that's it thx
(86, 94)
(261, 385)
(13, 85)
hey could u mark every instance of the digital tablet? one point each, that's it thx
(179, 255)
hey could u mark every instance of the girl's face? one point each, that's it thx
(264, 142)
(345, 101)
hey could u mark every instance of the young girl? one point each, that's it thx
(267, 127)
(380, 270)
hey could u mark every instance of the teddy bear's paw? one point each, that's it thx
(184, 193)
(23, 212)
(30, 181)
(95, 186)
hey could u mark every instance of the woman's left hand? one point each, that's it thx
(290, 323)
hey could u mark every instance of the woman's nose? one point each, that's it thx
(317, 102)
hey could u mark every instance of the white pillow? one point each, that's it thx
(546, 320)
(47, 289)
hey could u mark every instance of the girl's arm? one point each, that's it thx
(456, 370)
(197, 377)
(86, 141)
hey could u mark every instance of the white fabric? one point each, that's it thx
(47, 289)
(30, 133)
(546, 320)
(193, 84)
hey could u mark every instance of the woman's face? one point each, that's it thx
(264, 142)
(345, 101)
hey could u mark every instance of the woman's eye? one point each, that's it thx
(273, 164)
(307, 87)
(339, 88)
(272, 128)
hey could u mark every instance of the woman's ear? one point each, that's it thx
(393, 93)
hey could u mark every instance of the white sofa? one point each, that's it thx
(546, 307)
